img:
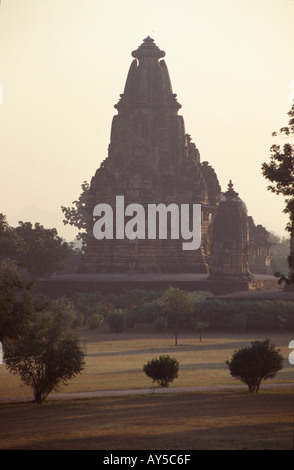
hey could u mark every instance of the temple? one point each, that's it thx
(230, 240)
(152, 160)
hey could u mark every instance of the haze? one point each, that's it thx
(63, 65)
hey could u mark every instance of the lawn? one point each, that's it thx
(231, 419)
(115, 360)
(226, 420)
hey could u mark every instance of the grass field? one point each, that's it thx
(232, 419)
(226, 420)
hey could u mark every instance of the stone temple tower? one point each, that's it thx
(151, 160)
(230, 240)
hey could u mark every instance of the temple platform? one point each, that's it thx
(68, 284)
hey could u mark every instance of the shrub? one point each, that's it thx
(133, 297)
(149, 311)
(131, 315)
(253, 364)
(163, 370)
(160, 323)
(117, 319)
(246, 315)
(95, 320)
(67, 308)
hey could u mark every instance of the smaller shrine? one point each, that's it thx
(229, 258)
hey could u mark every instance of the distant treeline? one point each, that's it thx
(140, 307)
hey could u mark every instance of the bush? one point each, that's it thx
(133, 297)
(117, 319)
(95, 320)
(253, 364)
(65, 306)
(163, 370)
(246, 315)
(160, 323)
(149, 311)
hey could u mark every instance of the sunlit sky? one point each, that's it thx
(63, 65)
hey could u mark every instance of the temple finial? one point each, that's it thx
(231, 193)
(148, 49)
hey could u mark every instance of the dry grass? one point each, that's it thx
(223, 420)
(115, 360)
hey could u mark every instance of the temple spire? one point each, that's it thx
(148, 49)
(148, 83)
(231, 193)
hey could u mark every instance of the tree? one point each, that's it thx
(280, 250)
(200, 326)
(117, 319)
(253, 364)
(46, 251)
(11, 245)
(176, 302)
(280, 172)
(163, 370)
(45, 356)
(16, 303)
(77, 215)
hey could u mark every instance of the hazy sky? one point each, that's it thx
(63, 65)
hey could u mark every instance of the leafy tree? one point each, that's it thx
(280, 172)
(259, 362)
(45, 356)
(16, 303)
(197, 323)
(176, 303)
(46, 251)
(199, 296)
(77, 215)
(163, 370)
(280, 250)
(73, 261)
(200, 326)
(11, 245)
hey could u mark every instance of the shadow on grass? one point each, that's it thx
(223, 420)
(173, 349)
